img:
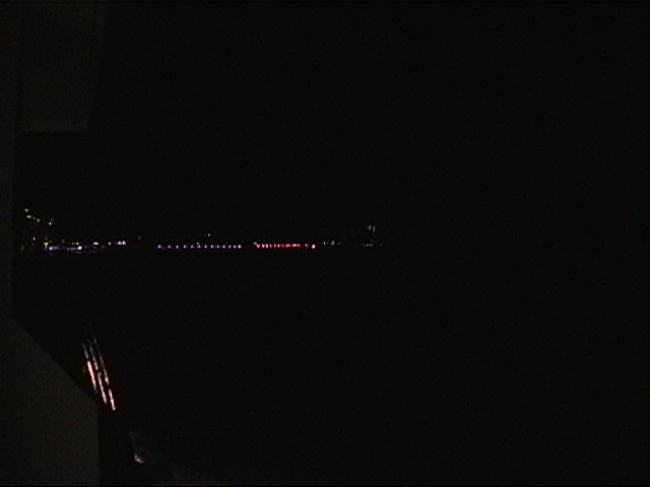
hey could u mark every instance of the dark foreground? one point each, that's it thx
(361, 367)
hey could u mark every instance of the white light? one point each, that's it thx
(111, 399)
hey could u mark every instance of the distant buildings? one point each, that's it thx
(39, 233)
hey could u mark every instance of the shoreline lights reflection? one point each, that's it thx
(96, 246)
(255, 246)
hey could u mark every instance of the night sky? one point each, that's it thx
(509, 142)
(253, 121)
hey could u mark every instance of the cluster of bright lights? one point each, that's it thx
(33, 218)
(266, 246)
(36, 219)
(77, 247)
(200, 247)
(64, 248)
(96, 370)
(95, 246)
(256, 245)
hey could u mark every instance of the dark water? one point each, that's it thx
(357, 366)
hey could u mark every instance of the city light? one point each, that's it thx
(97, 246)
(38, 237)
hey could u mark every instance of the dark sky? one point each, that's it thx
(256, 120)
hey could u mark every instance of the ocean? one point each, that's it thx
(360, 366)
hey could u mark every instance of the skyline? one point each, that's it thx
(40, 232)
(294, 121)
